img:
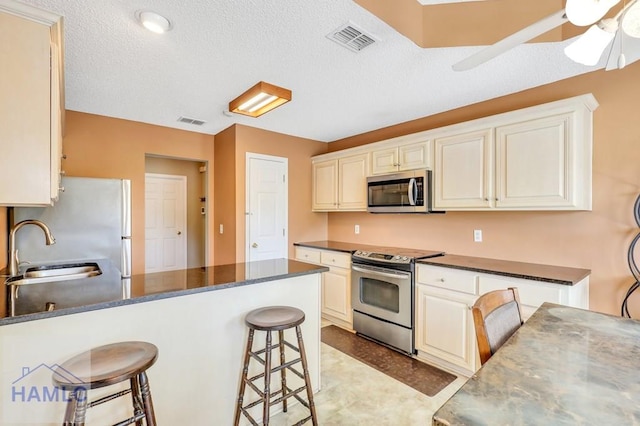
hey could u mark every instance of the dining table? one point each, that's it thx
(564, 366)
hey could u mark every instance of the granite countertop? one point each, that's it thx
(529, 271)
(336, 246)
(564, 366)
(161, 285)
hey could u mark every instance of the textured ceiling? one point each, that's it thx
(219, 48)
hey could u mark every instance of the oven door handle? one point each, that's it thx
(401, 276)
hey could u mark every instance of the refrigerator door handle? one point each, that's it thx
(126, 257)
(126, 208)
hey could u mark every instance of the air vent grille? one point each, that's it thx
(351, 37)
(193, 121)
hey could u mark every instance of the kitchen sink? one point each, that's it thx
(55, 272)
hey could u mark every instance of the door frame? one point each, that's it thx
(247, 227)
(183, 182)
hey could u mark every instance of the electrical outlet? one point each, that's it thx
(356, 229)
(477, 235)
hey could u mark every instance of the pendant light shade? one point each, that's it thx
(261, 98)
(587, 12)
(588, 48)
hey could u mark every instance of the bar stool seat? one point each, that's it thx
(270, 319)
(104, 366)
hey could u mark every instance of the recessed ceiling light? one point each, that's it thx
(153, 21)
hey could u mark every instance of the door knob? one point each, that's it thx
(179, 232)
(254, 245)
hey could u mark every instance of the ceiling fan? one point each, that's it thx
(587, 48)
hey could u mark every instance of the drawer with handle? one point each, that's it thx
(334, 258)
(307, 255)
(447, 278)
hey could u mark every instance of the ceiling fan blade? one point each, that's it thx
(522, 36)
(630, 47)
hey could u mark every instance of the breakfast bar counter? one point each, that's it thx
(76, 296)
(196, 319)
(564, 366)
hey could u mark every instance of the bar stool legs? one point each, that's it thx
(105, 366)
(275, 318)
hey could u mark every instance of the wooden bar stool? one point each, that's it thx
(269, 319)
(105, 366)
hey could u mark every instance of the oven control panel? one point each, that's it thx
(382, 257)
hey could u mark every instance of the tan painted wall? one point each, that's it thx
(225, 197)
(475, 23)
(597, 240)
(196, 222)
(304, 225)
(98, 146)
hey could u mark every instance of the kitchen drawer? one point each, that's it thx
(307, 255)
(334, 258)
(447, 278)
(531, 293)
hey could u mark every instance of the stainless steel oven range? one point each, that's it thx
(382, 295)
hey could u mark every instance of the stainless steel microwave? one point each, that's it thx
(406, 192)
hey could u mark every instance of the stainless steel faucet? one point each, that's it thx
(13, 253)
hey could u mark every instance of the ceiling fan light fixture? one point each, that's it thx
(631, 21)
(587, 12)
(590, 46)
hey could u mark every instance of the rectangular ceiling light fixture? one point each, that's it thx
(261, 98)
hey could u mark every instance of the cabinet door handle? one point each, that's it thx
(486, 199)
(442, 280)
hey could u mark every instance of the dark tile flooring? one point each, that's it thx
(420, 376)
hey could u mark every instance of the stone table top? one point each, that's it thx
(564, 366)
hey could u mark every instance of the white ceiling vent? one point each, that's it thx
(351, 37)
(191, 121)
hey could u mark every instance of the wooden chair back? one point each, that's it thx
(496, 316)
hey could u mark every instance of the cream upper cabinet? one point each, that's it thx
(402, 157)
(340, 183)
(463, 171)
(352, 182)
(31, 102)
(532, 159)
(536, 158)
(325, 185)
(535, 164)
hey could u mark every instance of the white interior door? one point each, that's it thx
(267, 209)
(165, 222)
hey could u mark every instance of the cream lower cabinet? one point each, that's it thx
(445, 333)
(336, 283)
(31, 104)
(340, 184)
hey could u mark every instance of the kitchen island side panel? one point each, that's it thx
(200, 337)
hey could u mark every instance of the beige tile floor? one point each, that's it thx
(355, 394)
